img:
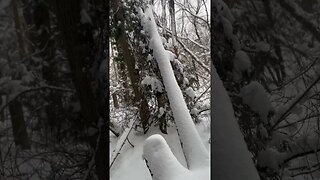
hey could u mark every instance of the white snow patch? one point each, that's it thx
(194, 111)
(255, 96)
(149, 57)
(171, 56)
(190, 92)
(241, 63)
(271, 158)
(161, 111)
(185, 82)
(155, 84)
(227, 27)
(262, 46)
(161, 161)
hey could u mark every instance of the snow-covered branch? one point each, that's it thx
(121, 142)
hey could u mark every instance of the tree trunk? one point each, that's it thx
(123, 45)
(173, 26)
(162, 120)
(77, 47)
(15, 108)
(115, 100)
(18, 125)
(123, 78)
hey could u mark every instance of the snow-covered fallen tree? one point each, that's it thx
(161, 162)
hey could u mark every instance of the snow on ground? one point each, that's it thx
(161, 161)
(130, 164)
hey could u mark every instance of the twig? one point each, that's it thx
(129, 142)
(114, 132)
(35, 89)
(294, 103)
(194, 42)
(301, 120)
(297, 76)
(300, 18)
(194, 57)
(114, 159)
(300, 155)
(198, 17)
(306, 172)
(202, 94)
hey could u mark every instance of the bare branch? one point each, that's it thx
(294, 103)
(36, 89)
(303, 21)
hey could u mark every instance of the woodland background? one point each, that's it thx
(59, 111)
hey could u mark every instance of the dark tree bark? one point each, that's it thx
(161, 98)
(115, 101)
(15, 108)
(18, 125)
(123, 78)
(123, 45)
(78, 42)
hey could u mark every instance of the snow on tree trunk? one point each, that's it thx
(197, 156)
(230, 156)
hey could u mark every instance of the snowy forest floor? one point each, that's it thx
(130, 164)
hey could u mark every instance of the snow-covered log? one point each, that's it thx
(230, 156)
(161, 161)
(195, 152)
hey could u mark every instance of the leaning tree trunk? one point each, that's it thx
(230, 155)
(159, 158)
